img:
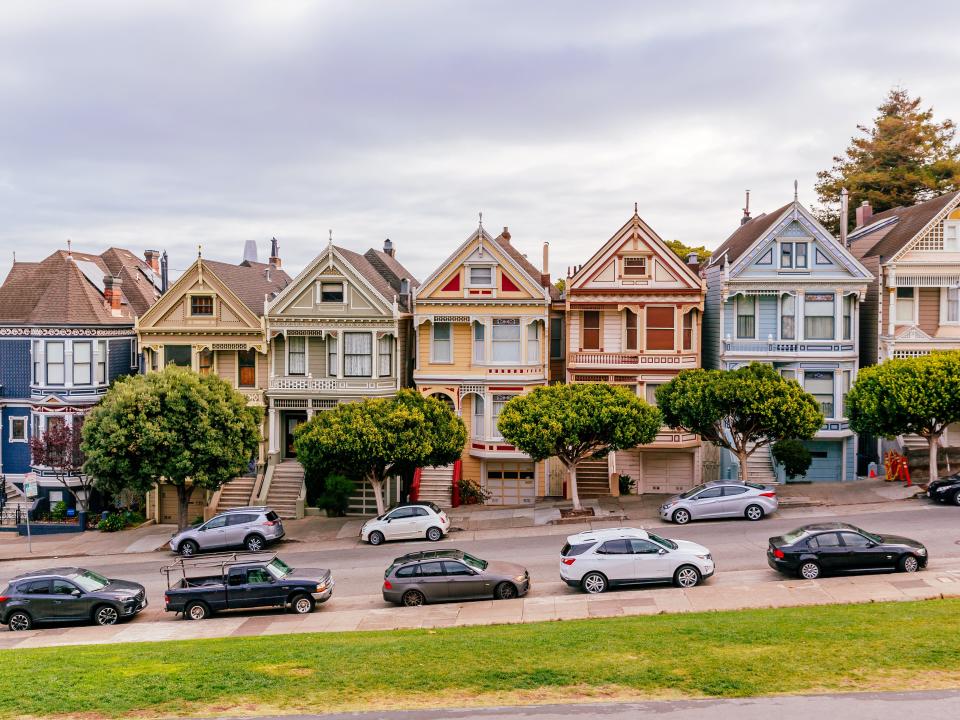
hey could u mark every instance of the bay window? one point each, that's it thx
(631, 328)
(905, 305)
(650, 393)
(357, 354)
(333, 366)
(688, 330)
(591, 329)
(820, 385)
(385, 352)
(296, 356)
(498, 402)
(788, 317)
(101, 358)
(746, 317)
(82, 363)
(660, 334)
(818, 316)
(37, 364)
(479, 343)
(442, 351)
(178, 355)
(56, 374)
(556, 339)
(205, 362)
(479, 431)
(847, 317)
(533, 342)
(950, 309)
(506, 340)
(247, 368)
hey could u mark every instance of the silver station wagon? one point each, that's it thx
(450, 575)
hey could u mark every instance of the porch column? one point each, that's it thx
(274, 430)
(838, 315)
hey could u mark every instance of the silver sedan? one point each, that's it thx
(719, 500)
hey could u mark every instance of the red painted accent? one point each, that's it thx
(506, 284)
(455, 491)
(517, 389)
(478, 446)
(505, 447)
(415, 487)
(453, 285)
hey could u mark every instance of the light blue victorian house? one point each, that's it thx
(782, 290)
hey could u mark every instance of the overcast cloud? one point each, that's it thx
(173, 124)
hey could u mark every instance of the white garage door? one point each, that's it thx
(510, 483)
(667, 472)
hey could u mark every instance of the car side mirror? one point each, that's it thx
(76, 593)
(389, 520)
(870, 544)
(661, 552)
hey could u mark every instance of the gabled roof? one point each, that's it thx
(905, 223)
(68, 288)
(528, 267)
(250, 281)
(746, 235)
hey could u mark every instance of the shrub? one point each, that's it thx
(132, 517)
(335, 498)
(112, 523)
(794, 457)
(627, 484)
(59, 511)
(471, 493)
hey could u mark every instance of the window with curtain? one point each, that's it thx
(556, 339)
(247, 368)
(82, 363)
(332, 358)
(820, 385)
(788, 317)
(296, 356)
(786, 255)
(659, 323)
(205, 362)
(952, 305)
(818, 316)
(688, 330)
(591, 329)
(746, 316)
(800, 254)
(506, 340)
(37, 366)
(441, 342)
(357, 354)
(479, 431)
(479, 343)
(498, 402)
(101, 360)
(905, 298)
(533, 342)
(178, 355)
(481, 276)
(385, 353)
(55, 364)
(631, 329)
(847, 317)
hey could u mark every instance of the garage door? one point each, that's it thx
(827, 461)
(510, 483)
(364, 500)
(667, 472)
(168, 505)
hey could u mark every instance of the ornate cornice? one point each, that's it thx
(66, 332)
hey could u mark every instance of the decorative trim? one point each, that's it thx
(67, 332)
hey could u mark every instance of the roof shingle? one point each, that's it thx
(745, 235)
(911, 220)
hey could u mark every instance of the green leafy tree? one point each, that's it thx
(919, 395)
(683, 251)
(741, 410)
(377, 438)
(575, 422)
(793, 455)
(560, 284)
(905, 157)
(191, 431)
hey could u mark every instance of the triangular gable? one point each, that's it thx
(930, 236)
(197, 275)
(328, 264)
(635, 236)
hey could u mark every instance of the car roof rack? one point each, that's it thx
(222, 561)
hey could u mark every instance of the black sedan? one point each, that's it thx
(68, 595)
(813, 550)
(945, 489)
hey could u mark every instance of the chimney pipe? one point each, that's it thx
(746, 211)
(111, 293)
(693, 259)
(844, 215)
(864, 213)
(274, 253)
(388, 248)
(164, 273)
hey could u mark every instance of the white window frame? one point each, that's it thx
(914, 300)
(213, 305)
(479, 419)
(306, 355)
(134, 353)
(100, 361)
(506, 322)
(343, 292)
(782, 316)
(955, 226)
(533, 344)
(433, 343)
(736, 317)
(832, 315)
(944, 306)
(385, 352)
(833, 390)
(479, 343)
(647, 387)
(333, 355)
(847, 303)
(74, 365)
(23, 421)
(62, 363)
(501, 399)
(475, 283)
(641, 260)
(368, 355)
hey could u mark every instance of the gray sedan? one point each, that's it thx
(719, 500)
(448, 575)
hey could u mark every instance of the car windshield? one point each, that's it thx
(692, 491)
(90, 581)
(663, 541)
(474, 562)
(279, 568)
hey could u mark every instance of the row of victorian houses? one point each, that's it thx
(486, 325)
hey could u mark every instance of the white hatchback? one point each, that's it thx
(597, 560)
(407, 521)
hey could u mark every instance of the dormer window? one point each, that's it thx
(481, 276)
(331, 292)
(793, 255)
(634, 267)
(201, 305)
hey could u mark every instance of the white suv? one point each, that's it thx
(407, 521)
(600, 559)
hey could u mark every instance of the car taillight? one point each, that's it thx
(3, 598)
(166, 599)
(387, 585)
(768, 494)
(568, 561)
(270, 523)
(778, 553)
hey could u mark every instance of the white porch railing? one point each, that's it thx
(630, 360)
(321, 384)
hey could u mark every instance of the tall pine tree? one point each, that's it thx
(906, 157)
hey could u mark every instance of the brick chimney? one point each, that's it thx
(864, 214)
(153, 260)
(388, 248)
(112, 293)
(506, 234)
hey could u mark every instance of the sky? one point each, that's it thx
(173, 125)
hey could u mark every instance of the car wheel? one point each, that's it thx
(375, 538)
(434, 534)
(956, 498)
(909, 564)
(505, 591)
(686, 576)
(753, 512)
(106, 615)
(196, 611)
(189, 548)
(414, 598)
(809, 570)
(594, 583)
(254, 543)
(302, 604)
(19, 621)
(681, 516)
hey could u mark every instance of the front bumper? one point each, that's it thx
(131, 609)
(322, 597)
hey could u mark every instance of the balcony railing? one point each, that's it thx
(787, 347)
(633, 359)
(254, 397)
(322, 384)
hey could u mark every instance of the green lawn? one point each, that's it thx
(887, 646)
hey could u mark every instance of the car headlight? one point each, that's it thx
(321, 587)
(921, 551)
(943, 488)
(669, 504)
(708, 556)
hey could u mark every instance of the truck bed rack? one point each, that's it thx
(219, 561)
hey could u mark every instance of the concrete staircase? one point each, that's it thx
(236, 493)
(760, 467)
(593, 479)
(15, 499)
(285, 488)
(436, 485)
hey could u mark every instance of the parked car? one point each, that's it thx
(407, 521)
(426, 577)
(945, 489)
(231, 582)
(68, 594)
(597, 560)
(720, 499)
(823, 548)
(250, 527)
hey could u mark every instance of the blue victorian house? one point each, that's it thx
(66, 332)
(782, 290)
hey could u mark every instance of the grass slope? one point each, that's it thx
(889, 646)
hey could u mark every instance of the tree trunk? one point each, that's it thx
(183, 505)
(377, 484)
(574, 495)
(933, 440)
(742, 455)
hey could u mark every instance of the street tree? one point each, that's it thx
(378, 438)
(741, 410)
(683, 251)
(192, 431)
(58, 449)
(578, 421)
(918, 395)
(903, 158)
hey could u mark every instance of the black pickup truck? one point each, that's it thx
(233, 582)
